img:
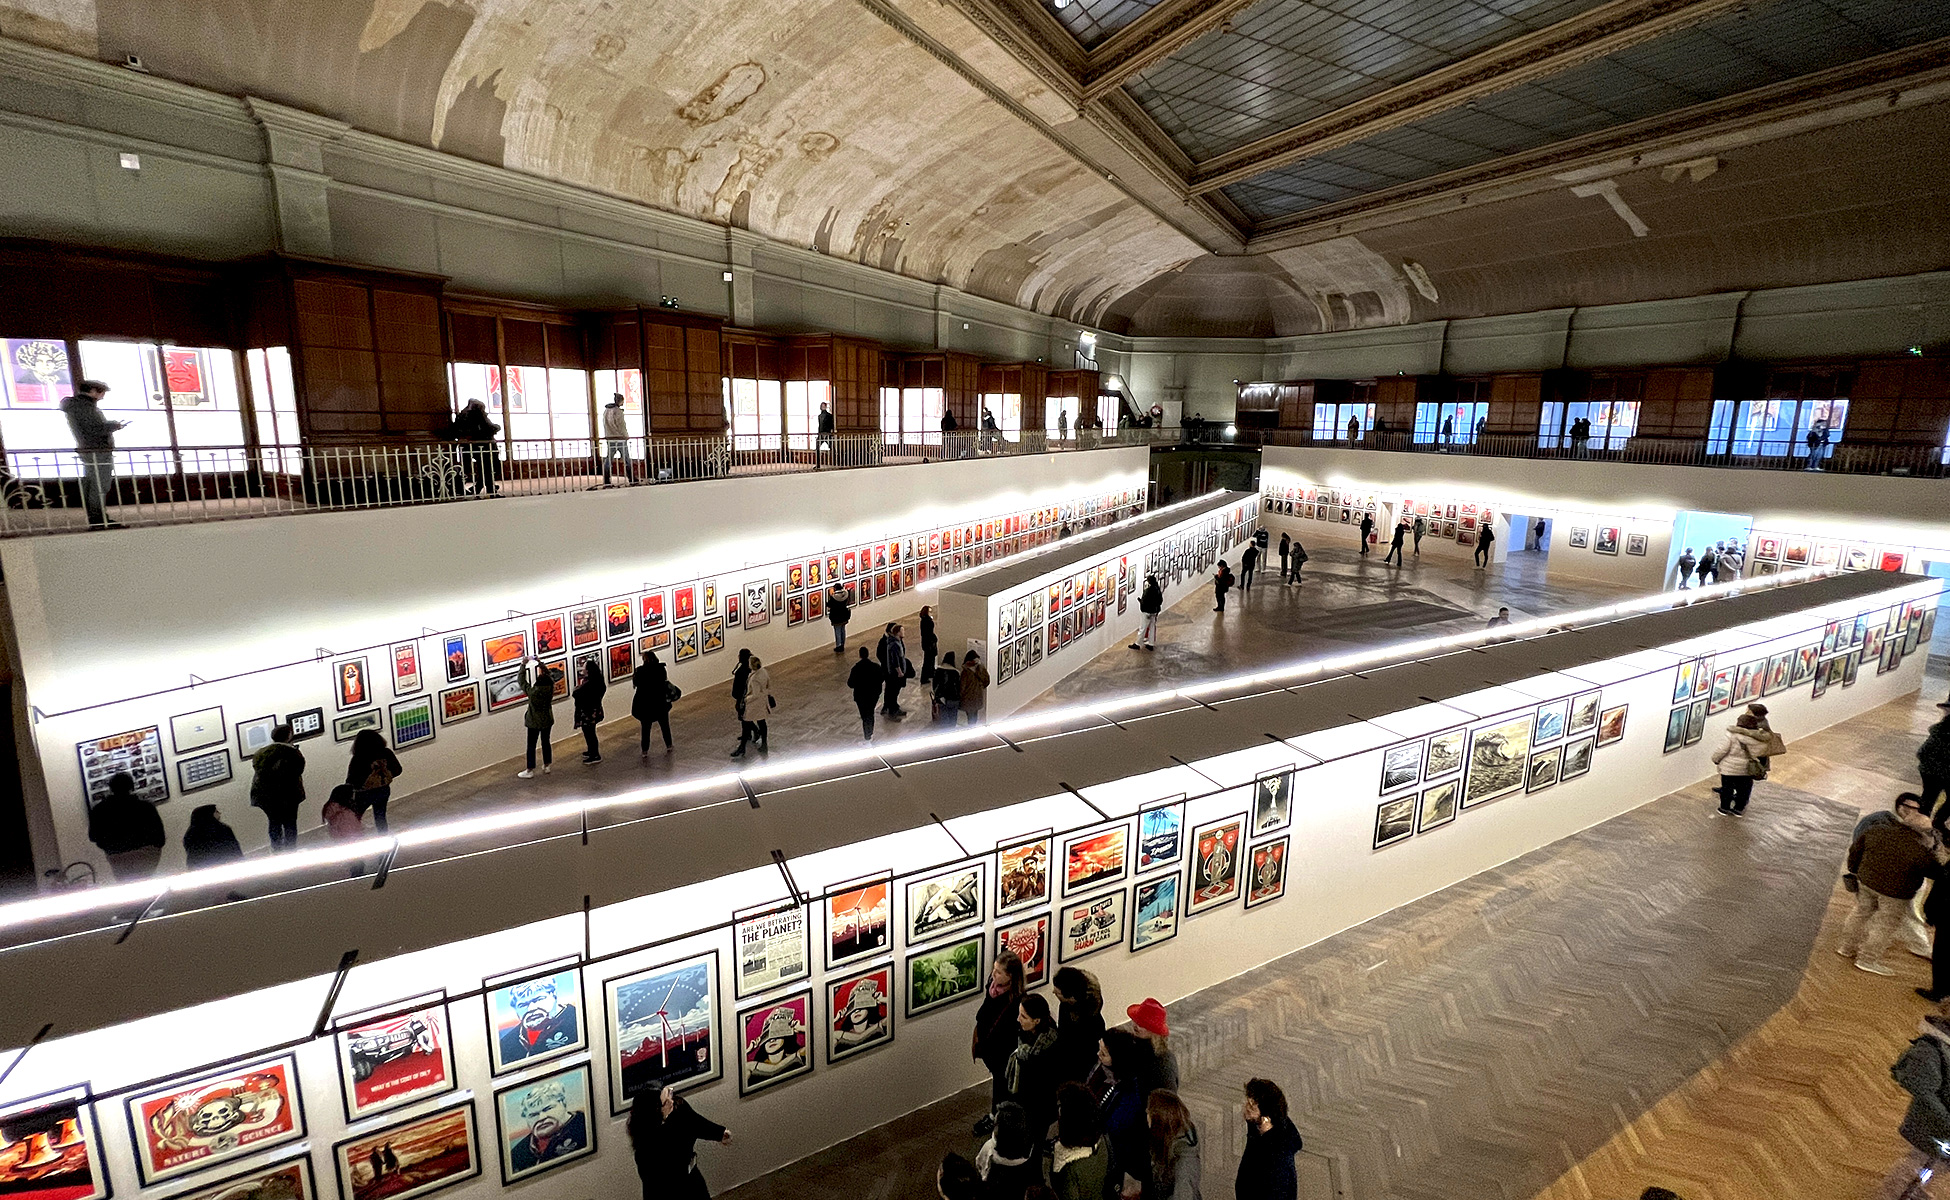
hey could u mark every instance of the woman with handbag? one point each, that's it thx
(1741, 761)
(370, 774)
(588, 697)
(654, 696)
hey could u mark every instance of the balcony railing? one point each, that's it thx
(46, 491)
(1918, 461)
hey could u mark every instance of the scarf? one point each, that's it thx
(1062, 1156)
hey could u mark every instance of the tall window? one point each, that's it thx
(181, 404)
(274, 402)
(1330, 420)
(627, 383)
(1609, 402)
(1066, 407)
(1461, 417)
(1778, 426)
(1006, 408)
(802, 400)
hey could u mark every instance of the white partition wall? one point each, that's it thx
(1354, 823)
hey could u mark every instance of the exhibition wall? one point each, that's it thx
(1263, 823)
(149, 633)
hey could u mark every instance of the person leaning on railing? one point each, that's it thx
(476, 433)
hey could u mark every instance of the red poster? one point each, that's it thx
(183, 371)
(395, 1061)
(186, 1128)
(684, 601)
(653, 610)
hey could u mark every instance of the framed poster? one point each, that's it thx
(1155, 901)
(418, 1156)
(795, 610)
(756, 613)
(943, 904)
(1577, 757)
(1400, 767)
(621, 662)
(1636, 543)
(504, 650)
(1611, 725)
(663, 1029)
(1607, 542)
(139, 752)
(191, 1125)
(659, 641)
(587, 658)
(558, 673)
(712, 630)
(285, 1179)
(1394, 820)
(544, 1123)
(1438, 805)
(774, 1042)
(253, 735)
(202, 771)
(585, 627)
(684, 641)
(771, 945)
(1029, 938)
(1579, 538)
(351, 725)
(859, 1012)
(1498, 754)
(778, 596)
(1273, 800)
(1720, 697)
(1682, 680)
(944, 975)
(1543, 769)
(1095, 857)
(1161, 835)
(616, 619)
(1695, 722)
(534, 1015)
(454, 649)
(1444, 755)
(393, 1056)
(406, 668)
(1779, 667)
(651, 612)
(412, 721)
(1676, 728)
(196, 730)
(309, 723)
(1549, 723)
(460, 704)
(51, 1150)
(1091, 924)
(710, 598)
(1215, 864)
(1266, 871)
(856, 920)
(504, 691)
(351, 687)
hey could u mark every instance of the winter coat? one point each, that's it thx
(1367, 527)
(1122, 1111)
(1250, 559)
(994, 1039)
(359, 769)
(616, 426)
(1175, 1176)
(947, 686)
(1933, 756)
(1080, 1175)
(1924, 1072)
(741, 686)
(1401, 531)
(1031, 1074)
(929, 646)
(1151, 601)
(865, 679)
(974, 686)
(652, 698)
(839, 610)
(1222, 582)
(208, 842)
(1286, 547)
(666, 1159)
(541, 698)
(1893, 860)
(759, 704)
(826, 422)
(277, 777)
(1741, 754)
(1006, 1178)
(122, 823)
(588, 698)
(1077, 1033)
(893, 658)
(1266, 1169)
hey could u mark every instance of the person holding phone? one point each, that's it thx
(539, 686)
(94, 441)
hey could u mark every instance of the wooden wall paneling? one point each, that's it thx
(332, 321)
(704, 411)
(412, 367)
(856, 369)
(1395, 400)
(1297, 404)
(1923, 417)
(961, 389)
(1516, 403)
(666, 377)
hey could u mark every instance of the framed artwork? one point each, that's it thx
(1704, 675)
(1438, 805)
(1695, 722)
(1794, 552)
(351, 685)
(616, 619)
(1029, 938)
(771, 947)
(1215, 864)
(196, 730)
(1550, 721)
(1577, 758)
(196, 1123)
(622, 661)
(393, 1056)
(944, 975)
(406, 668)
(1098, 856)
(1894, 560)
(712, 630)
(795, 610)
(1821, 683)
(1611, 725)
(418, 1156)
(1161, 835)
(1767, 547)
(1498, 753)
(558, 669)
(534, 1015)
(663, 1029)
(756, 614)
(585, 627)
(1607, 542)
(1266, 871)
(544, 1123)
(51, 1150)
(1400, 767)
(685, 642)
(1543, 769)
(580, 661)
(651, 612)
(1091, 924)
(1005, 669)
(1583, 713)
(351, 725)
(683, 603)
(658, 641)
(1828, 554)
(504, 691)
(504, 650)
(943, 904)
(1155, 901)
(1444, 755)
(815, 605)
(710, 597)
(285, 1179)
(1779, 668)
(1394, 821)
(253, 735)
(1682, 682)
(1579, 538)
(453, 648)
(1272, 800)
(795, 577)
(1021, 874)
(460, 704)
(412, 721)
(856, 920)
(778, 596)
(774, 1042)
(1720, 696)
(203, 771)
(1676, 728)
(859, 1012)
(1636, 543)
(1767, 568)
(306, 724)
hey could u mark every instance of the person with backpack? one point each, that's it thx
(839, 610)
(1299, 560)
(278, 787)
(588, 700)
(370, 775)
(1221, 584)
(539, 717)
(1924, 1072)
(654, 695)
(1151, 602)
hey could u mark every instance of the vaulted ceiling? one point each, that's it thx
(1170, 167)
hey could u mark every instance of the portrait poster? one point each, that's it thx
(454, 649)
(534, 1015)
(943, 904)
(412, 721)
(778, 594)
(138, 751)
(585, 627)
(1579, 538)
(756, 612)
(190, 1126)
(352, 686)
(1394, 820)
(857, 917)
(731, 610)
(712, 631)
(285, 1179)
(859, 1012)
(1695, 722)
(1215, 864)
(684, 643)
(1022, 874)
(1438, 805)
(662, 1029)
(1400, 768)
(1161, 835)
(504, 691)
(1611, 725)
(51, 1150)
(503, 650)
(1543, 768)
(1155, 902)
(683, 603)
(1550, 720)
(418, 1156)
(772, 946)
(774, 1042)
(391, 1057)
(944, 975)
(622, 661)
(544, 1123)
(1266, 872)
(616, 619)
(1098, 856)
(1607, 542)
(795, 610)
(1444, 755)
(710, 598)
(1498, 754)
(548, 636)
(651, 613)
(460, 704)
(1637, 543)
(1092, 924)
(795, 577)
(1029, 938)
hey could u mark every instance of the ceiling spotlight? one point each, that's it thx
(1061, 3)
(727, 276)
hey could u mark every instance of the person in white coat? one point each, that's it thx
(759, 703)
(616, 439)
(1739, 761)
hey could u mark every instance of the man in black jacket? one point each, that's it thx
(94, 439)
(1151, 602)
(1248, 562)
(825, 441)
(864, 681)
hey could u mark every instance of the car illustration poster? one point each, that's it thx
(184, 1127)
(394, 1057)
(1092, 924)
(413, 1158)
(663, 1029)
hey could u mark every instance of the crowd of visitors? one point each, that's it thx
(1723, 558)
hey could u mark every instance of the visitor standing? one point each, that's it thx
(1151, 602)
(1354, 429)
(1299, 560)
(1913, 932)
(650, 702)
(1079, 1166)
(760, 703)
(892, 653)
(930, 645)
(539, 718)
(1148, 1018)
(823, 445)
(664, 1132)
(616, 440)
(1286, 555)
(1739, 761)
(1032, 1070)
(1175, 1163)
(1891, 863)
(839, 610)
(278, 787)
(1936, 914)
(1708, 569)
(865, 681)
(1248, 560)
(1686, 563)
(1448, 429)
(94, 440)
(588, 699)
(947, 691)
(1266, 1169)
(1395, 545)
(1421, 531)
(127, 829)
(1933, 764)
(741, 682)
(1580, 437)
(208, 842)
(476, 434)
(1817, 444)
(1221, 584)
(1924, 1072)
(370, 774)
(974, 688)
(991, 432)
(1079, 1022)
(1009, 1162)
(1120, 1082)
(1367, 531)
(1062, 426)
(1485, 539)
(994, 1039)
(1537, 535)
